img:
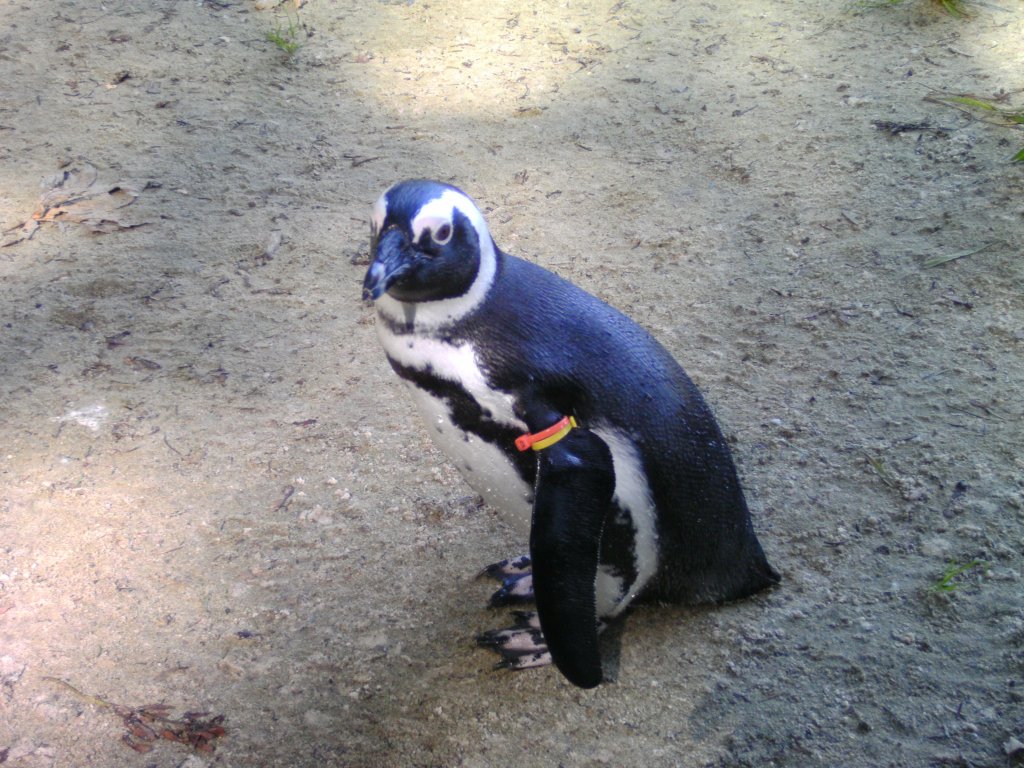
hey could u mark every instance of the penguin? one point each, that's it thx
(568, 418)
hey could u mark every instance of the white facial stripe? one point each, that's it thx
(431, 224)
(434, 314)
(435, 214)
(633, 494)
(443, 209)
(378, 214)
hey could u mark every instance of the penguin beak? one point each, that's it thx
(390, 263)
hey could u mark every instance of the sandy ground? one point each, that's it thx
(216, 496)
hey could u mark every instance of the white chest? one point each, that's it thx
(484, 466)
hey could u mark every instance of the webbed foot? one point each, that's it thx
(516, 579)
(521, 646)
(509, 567)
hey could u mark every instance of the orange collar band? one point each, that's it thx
(546, 437)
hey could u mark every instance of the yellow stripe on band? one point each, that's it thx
(546, 437)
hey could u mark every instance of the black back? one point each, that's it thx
(541, 337)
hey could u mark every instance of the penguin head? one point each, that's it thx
(430, 247)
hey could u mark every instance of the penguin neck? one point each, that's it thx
(430, 316)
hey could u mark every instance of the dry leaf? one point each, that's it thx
(24, 231)
(78, 196)
(193, 729)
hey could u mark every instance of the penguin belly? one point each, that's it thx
(483, 465)
(430, 366)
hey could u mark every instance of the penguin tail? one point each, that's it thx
(745, 570)
(754, 575)
(760, 576)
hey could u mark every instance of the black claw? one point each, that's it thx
(491, 571)
(488, 639)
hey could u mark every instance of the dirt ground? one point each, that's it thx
(217, 496)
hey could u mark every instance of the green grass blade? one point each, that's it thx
(970, 101)
(956, 8)
(935, 261)
(947, 581)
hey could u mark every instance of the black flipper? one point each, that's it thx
(575, 483)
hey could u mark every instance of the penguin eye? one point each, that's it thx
(442, 234)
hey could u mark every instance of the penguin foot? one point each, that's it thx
(515, 590)
(516, 580)
(521, 646)
(510, 567)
